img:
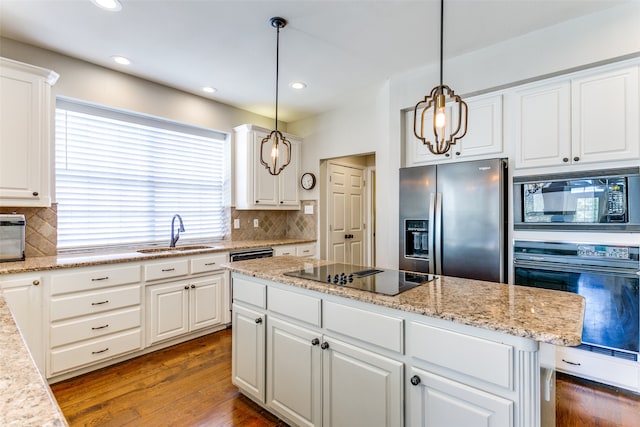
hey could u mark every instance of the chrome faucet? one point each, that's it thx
(174, 238)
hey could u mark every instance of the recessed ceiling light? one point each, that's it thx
(298, 85)
(121, 60)
(110, 5)
(209, 89)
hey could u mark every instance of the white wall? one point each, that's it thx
(371, 123)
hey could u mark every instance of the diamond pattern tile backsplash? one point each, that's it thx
(276, 224)
(41, 234)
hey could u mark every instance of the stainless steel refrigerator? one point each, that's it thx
(453, 219)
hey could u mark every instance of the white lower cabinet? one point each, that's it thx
(437, 401)
(248, 352)
(177, 308)
(23, 294)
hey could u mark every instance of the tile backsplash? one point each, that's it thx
(276, 224)
(41, 233)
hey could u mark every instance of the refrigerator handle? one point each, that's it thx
(431, 231)
(437, 226)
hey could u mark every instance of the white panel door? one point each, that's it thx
(606, 116)
(168, 311)
(205, 302)
(360, 388)
(294, 366)
(346, 214)
(248, 352)
(440, 402)
(542, 117)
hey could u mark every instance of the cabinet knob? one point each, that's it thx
(186, 287)
(315, 341)
(324, 345)
(576, 158)
(281, 201)
(447, 155)
(36, 282)
(415, 380)
(258, 320)
(457, 153)
(257, 201)
(193, 286)
(565, 159)
(35, 194)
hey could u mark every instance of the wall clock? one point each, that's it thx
(308, 180)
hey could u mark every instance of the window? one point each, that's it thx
(120, 178)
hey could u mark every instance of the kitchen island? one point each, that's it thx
(448, 352)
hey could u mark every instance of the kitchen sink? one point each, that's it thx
(175, 249)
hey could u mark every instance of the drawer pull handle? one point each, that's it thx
(415, 380)
(100, 278)
(168, 269)
(100, 303)
(95, 328)
(100, 351)
(210, 263)
(571, 363)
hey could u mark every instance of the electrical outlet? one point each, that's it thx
(236, 223)
(308, 209)
(256, 224)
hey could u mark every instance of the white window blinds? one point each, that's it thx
(120, 178)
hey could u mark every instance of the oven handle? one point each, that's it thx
(572, 268)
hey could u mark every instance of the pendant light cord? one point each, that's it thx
(277, 69)
(441, 37)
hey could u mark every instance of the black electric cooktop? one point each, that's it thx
(380, 281)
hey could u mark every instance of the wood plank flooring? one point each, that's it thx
(190, 385)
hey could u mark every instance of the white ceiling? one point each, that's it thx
(336, 47)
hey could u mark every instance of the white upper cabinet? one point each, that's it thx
(25, 134)
(587, 117)
(483, 137)
(255, 187)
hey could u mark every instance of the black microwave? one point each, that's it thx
(604, 200)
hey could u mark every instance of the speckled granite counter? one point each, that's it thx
(84, 259)
(26, 398)
(542, 315)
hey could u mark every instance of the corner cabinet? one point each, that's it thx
(255, 187)
(483, 137)
(25, 134)
(587, 117)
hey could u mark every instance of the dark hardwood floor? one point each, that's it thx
(190, 385)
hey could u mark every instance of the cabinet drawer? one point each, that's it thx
(306, 250)
(65, 307)
(166, 269)
(284, 250)
(249, 292)
(208, 263)
(84, 328)
(294, 305)
(94, 279)
(486, 360)
(374, 328)
(86, 353)
(598, 367)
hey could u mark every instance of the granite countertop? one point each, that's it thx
(543, 315)
(26, 398)
(97, 257)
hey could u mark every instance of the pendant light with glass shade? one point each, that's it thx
(426, 126)
(276, 144)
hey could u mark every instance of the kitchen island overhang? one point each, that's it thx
(449, 343)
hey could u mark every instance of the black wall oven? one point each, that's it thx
(605, 200)
(607, 276)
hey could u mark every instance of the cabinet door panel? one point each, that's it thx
(168, 311)
(294, 366)
(484, 127)
(605, 121)
(265, 185)
(440, 402)
(205, 308)
(360, 388)
(248, 352)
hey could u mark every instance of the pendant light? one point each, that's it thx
(425, 126)
(276, 144)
